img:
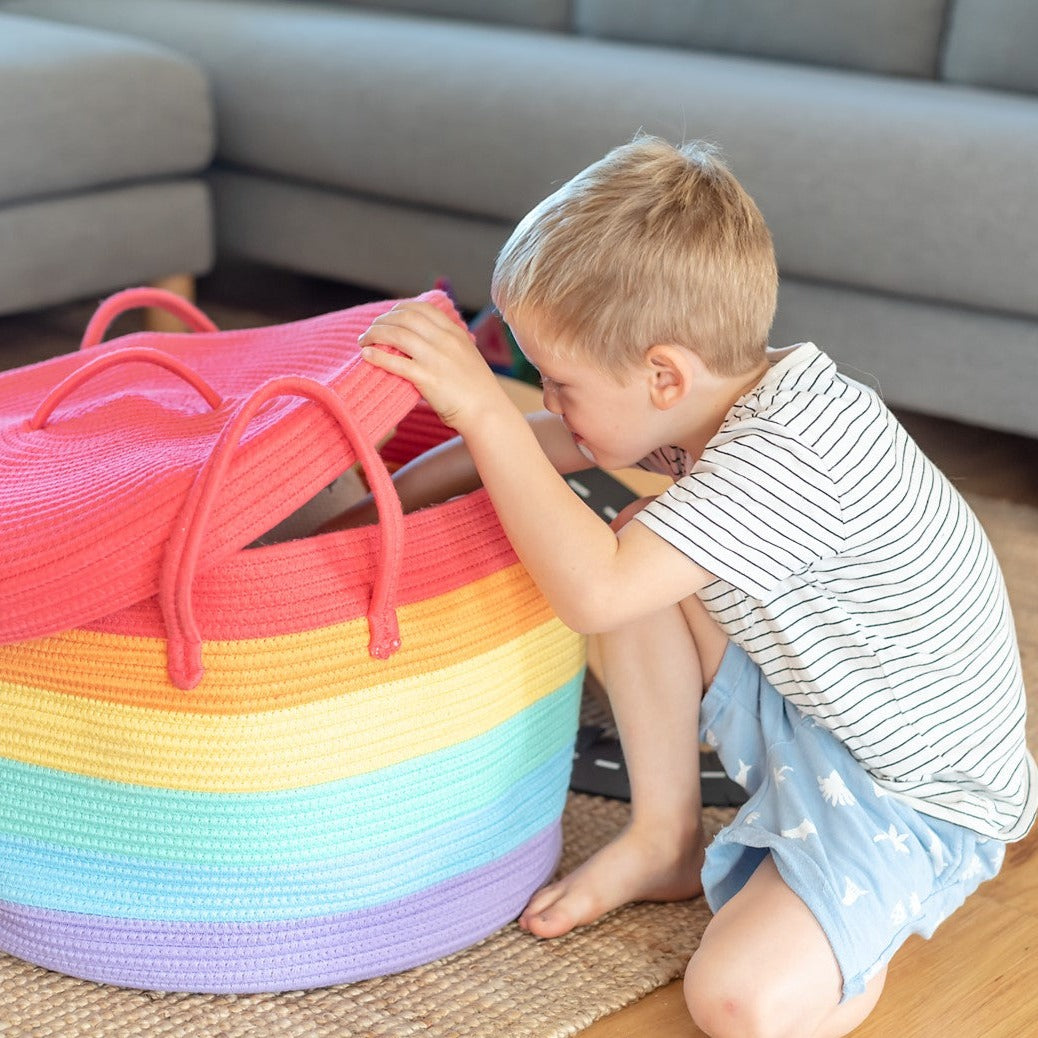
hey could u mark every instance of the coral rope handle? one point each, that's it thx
(94, 367)
(184, 641)
(134, 298)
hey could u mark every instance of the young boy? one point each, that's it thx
(809, 570)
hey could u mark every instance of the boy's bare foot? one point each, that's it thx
(636, 866)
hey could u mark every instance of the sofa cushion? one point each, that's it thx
(534, 14)
(80, 108)
(992, 43)
(971, 365)
(900, 37)
(335, 234)
(916, 188)
(74, 246)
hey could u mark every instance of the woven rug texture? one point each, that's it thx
(507, 986)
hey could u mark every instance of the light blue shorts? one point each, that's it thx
(870, 867)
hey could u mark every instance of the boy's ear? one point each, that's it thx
(671, 371)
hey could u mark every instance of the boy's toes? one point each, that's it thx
(552, 922)
(542, 899)
(540, 903)
(554, 911)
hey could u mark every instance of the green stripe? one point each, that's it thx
(285, 827)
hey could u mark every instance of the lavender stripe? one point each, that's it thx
(300, 953)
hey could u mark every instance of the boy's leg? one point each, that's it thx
(765, 968)
(653, 674)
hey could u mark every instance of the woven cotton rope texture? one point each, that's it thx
(508, 984)
(113, 463)
(242, 779)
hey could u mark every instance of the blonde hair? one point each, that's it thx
(651, 244)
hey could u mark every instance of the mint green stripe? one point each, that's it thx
(105, 885)
(75, 812)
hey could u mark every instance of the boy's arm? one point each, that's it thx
(448, 470)
(594, 579)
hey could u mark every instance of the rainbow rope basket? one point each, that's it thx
(237, 770)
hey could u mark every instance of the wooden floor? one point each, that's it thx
(978, 977)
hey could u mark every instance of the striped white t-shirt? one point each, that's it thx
(860, 582)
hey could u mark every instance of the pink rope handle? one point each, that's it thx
(184, 641)
(135, 298)
(140, 354)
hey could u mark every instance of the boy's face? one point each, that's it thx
(610, 420)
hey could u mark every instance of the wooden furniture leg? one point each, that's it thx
(156, 320)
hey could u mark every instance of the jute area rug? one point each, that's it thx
(508, 986)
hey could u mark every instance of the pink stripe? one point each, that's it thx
(328, 580)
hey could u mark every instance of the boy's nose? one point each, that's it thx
(551, 400)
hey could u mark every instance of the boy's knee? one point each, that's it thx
(723, 1003)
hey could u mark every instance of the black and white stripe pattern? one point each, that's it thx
(858, 579)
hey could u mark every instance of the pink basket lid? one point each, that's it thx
(94, 474)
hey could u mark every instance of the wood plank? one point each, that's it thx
(659, 1015)
(976, 978)
(1016, 886)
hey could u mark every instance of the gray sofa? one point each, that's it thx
(104, 141)
(892, 144)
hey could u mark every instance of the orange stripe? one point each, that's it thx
(251, 675)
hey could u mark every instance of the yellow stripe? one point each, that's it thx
(256, 674)
(320, 741)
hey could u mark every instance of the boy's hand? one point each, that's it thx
(440, 358)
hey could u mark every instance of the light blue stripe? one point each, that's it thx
(94, 884)
(84, 814)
